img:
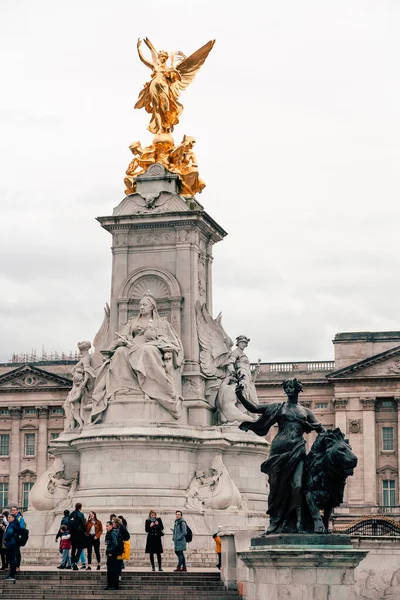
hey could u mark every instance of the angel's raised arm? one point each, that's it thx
(142, 58)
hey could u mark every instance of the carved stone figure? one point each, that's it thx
(368, 585)
(214, 489)
(220, 364)
(299, 485)
(159, 96)
(51, 488)
(393, 592)
(79, 398)
(136, 363)
(328, 464)
(72, 404)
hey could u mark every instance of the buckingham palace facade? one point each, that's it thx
(358, 391)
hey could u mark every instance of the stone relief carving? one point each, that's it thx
(148, 239)
(192, 388)
(202, 276)
(182, 235)
(158, 287)
(214, 488)
(340, 403)
(77, 405)
(52, 488)
(394, 367)
(30, 380)
(354, 425)
(145, 357)
(378, 585)
(368, 403)
(219, 363)
(15, 411)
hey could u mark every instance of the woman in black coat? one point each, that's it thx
(155, 530)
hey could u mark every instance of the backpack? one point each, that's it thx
(22, 536)
(120, 544)
(75, 524)
(189, 534)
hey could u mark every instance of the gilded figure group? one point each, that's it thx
(171, 73)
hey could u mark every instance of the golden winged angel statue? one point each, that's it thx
(160, 95)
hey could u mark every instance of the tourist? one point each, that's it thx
(179, 539)
(76, 527)
(3, 527)
(65, 546)
(21, 521)
(64, 521)
(125, 536)
(217, 541)
(155, 530)
(94, 529)
(113, 548)
(10, 540)
(82, 559)
(123, 521)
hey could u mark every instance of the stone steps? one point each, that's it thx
(50, 557)
(84, 585)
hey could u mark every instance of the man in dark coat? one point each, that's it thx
(11, 543)
(76, 526)
(112, 552)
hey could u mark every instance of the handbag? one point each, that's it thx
(127, 551)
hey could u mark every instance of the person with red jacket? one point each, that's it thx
(65, 546)
(94, 529)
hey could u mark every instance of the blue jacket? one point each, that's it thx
(20, 519)
(112, 542)
(179, 535)
(10, 535)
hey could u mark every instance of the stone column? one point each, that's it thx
(15, 455)
(398, 451)
(41, 463)
(340, 405)
(369, 446)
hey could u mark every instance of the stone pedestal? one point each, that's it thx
(300, 567)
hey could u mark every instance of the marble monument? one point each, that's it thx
(151, 419)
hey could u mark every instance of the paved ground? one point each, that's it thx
(134, 569)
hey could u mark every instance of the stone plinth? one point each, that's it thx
(129, 469)
(299, 567)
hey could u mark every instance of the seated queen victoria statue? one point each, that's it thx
(139, 361)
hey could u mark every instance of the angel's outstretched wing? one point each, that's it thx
(102, 339)
(214, 343)
(189, 67)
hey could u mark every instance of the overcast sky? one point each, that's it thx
(296, 116)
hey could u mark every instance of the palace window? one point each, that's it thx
(30, 444)
(54, 435)
(321, 405)
(387, 438)
(30, 411)
(389, 492)
(57, 411)
(26, 488)
(387, 404)
(4, 495)
(4, 445)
